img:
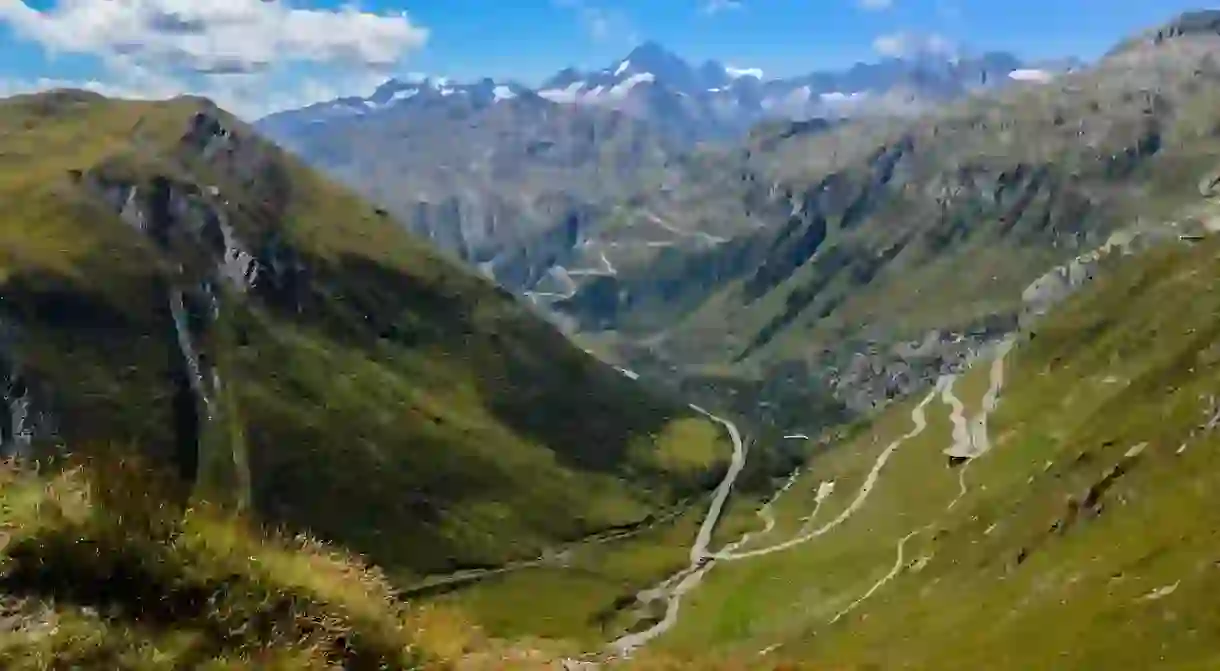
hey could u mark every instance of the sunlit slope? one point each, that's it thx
(1085, 538)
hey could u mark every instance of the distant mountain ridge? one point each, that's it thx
(711, 100)
(529, 184)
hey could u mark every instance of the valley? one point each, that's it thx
(658, 366)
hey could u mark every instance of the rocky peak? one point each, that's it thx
(652, 58)
(1200, 23)
(1204, 22)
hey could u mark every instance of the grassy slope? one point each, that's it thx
(99, 569)
(410, 410)
(1011, 577)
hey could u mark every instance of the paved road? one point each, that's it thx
(676, 586)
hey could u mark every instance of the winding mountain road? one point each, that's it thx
(709, 238)
(676, 586)
(976, 436)
(921, 423)
(704, 538)
(898, 563)
(970, 440)
(962, 445)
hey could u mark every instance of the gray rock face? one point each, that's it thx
(190, 226)
(1064, 280)
(874, 376)
(25, 420)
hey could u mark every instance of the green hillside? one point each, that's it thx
(1085, 538)
(174, 285)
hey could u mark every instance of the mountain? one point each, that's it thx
(713, 101)
(1200, 23)
(177, 288)
(429, 92)
(882, 249)
(520, 189)
(655, 85)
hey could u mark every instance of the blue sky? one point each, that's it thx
(257, 56)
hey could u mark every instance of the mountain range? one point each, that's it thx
(533, 186)
(708, 101)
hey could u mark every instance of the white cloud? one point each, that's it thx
(910, 44)
(218, 36)
(718, 6)
(875, 5)
(252, 57)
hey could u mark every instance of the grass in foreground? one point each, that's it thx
(97, 571)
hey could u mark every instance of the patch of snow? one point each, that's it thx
(841, 97)
(738, 73)
(622, 67)
(503, 93)
(403, 95)
(1031, 75)
(622, 89)
(567, 94)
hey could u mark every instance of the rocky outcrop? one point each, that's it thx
(25, 419)
(1200, 23)
(1063, 280)
(190, 228)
